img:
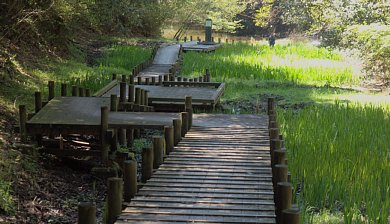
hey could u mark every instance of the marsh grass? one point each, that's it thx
(339, 158)
(297, 63)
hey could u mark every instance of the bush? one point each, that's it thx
(373, 43)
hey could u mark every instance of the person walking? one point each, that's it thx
(271, 40)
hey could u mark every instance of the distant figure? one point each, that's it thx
(271, 40)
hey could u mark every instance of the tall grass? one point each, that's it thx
(298, 63)
(339, 159)
(118, 60)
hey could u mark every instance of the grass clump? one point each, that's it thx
(339, 158)
(294, 62)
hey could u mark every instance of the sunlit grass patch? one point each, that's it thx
(339, 158)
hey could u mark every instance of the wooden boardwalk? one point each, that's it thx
(82, 115)
(194, 46)
(219, 173)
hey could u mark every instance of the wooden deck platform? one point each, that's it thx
(194, 46)
(82, 115)
(172, 94)
(155, 70)
(167, 54)
(219, 173)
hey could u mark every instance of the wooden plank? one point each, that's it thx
(217, 173)
(227, 181)
(208, 201)
(201, 185)
(192, 218)
(194, 84)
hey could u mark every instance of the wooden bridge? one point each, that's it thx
(219, 173)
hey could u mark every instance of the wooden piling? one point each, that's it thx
(279, 173)
(283, 199)
(64, 89)
(169, 139)
(154, 80)
(142, 100)
(87, 92)
(274, 145)
(137, 96)
(131, 79)
(103, 135)
(158, 151)
(177, 131)
(38, 101)
(129, 179)
(160, 79)
(113, 77)
(81, 92)
(124, 78)
(184, 125)
(189, 110)
(122, 92)
(114, 198)
(273, 133)
(208, 77)
(291, 216)
(75, 91)
(130, 97)
(271, 105)
(147, 81)
(147, 164)
(146, 98)
(86, 213)
(139, 80)
(280, 156)
(50, 85)
(22, 123)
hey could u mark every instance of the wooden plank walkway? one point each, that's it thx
(219, 173)
(194, 46)
(82, 115)
(167, 54)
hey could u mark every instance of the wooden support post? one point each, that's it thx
(184, 125)
(113, 77)
(179, 79)
(147, 81)
(189, 110)
(122, 92)
(87, 92)
(81, 92)
(279, 172)
(142, 102)
(114, 198)
(130, 97)
(130, 137)
(160, 79)
(75, 91)
(86, 213)
(64, 89)
(291, 216)
(103, 135)
(122, 137)
(201, 79)
(146, 97)
(177, 130)
(227, 40)
(124, 78)
(190, 38)
(114, 103)
(139, 80)
(130, 179)
(131, 78)
(22, 123)
(169, 139)
(283, 199)
(158, 151)
(207, 75)
(147, 164)
(271, 105)
(51, 90)
(166, 78)
(219, 40)
(272, 124)
(38, 101)
(137, 96)
(280, 156)
(154, 80)
(273, 133)
(274, 145)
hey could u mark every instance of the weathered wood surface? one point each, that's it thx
(167, 54)
(82, 113)
(155, 70)
(208, 182)
(200, 95)
(194, 46)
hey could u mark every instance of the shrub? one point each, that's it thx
(373, 43)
